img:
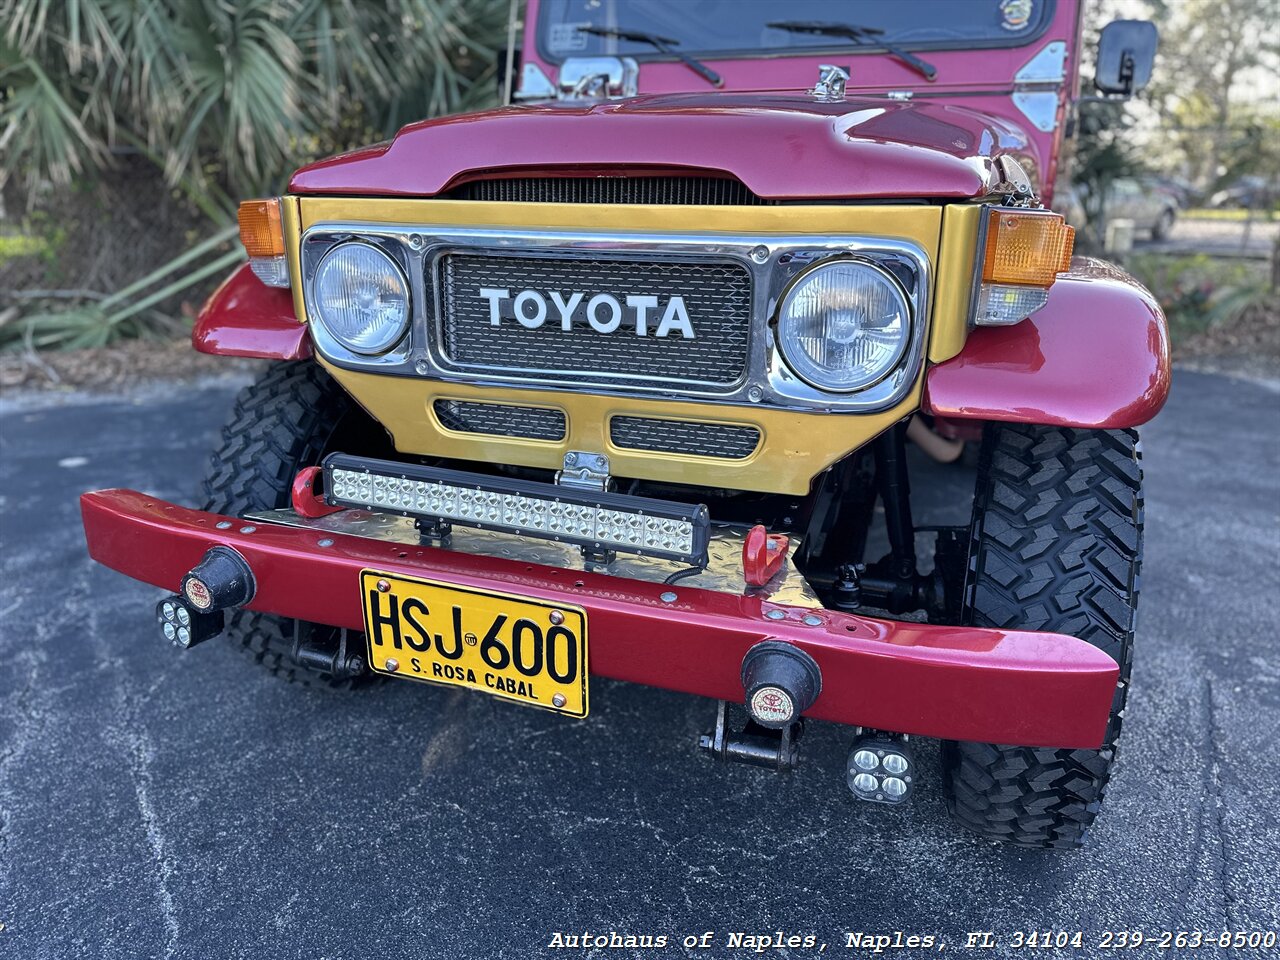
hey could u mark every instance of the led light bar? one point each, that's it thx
(592, 519)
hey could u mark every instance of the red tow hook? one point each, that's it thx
(307, 500)
(762, 555)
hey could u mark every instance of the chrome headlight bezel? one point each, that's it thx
(809, 370)
(396, 333)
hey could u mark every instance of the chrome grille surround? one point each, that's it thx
(723, 441)
(717, 290)
(773, 261)
(501, 419)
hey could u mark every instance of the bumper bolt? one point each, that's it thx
(558, 700)
(422, 368)
(776, 615)
(248, 529)
(811, 620)
(668, 597)
(556, 617)
(326, 542)
(392, 664)
(223, 524)
(383, 587)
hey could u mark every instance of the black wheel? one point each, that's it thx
(1164, 224)
(1055, 545)
(288, 419)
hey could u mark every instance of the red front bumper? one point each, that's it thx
(959, 683)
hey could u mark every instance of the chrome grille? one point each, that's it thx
(649, 190)
(501, 420)
(717, 295)
(721, 440)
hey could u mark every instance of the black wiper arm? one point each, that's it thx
(863, 36)
(662, 44)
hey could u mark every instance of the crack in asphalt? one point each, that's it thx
(139, 753)
(127, 732)
(28, 720)
(1213, 781)
(32, 710)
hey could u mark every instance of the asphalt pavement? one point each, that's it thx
(163, 804)
(1217, 238)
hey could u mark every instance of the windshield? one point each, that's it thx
(740, 27)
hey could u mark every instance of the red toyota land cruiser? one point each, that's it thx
(616, 380)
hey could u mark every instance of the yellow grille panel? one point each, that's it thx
(795, 446)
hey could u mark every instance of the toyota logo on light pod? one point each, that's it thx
(781, 681)
(603, 311)
(773, 705)
(197, 593)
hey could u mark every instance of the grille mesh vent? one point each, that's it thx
(717, 296)
(647, 190)
(501, 420)
(721, 440)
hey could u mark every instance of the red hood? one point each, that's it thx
(782, 146)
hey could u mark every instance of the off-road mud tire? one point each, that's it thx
(1055, 545)
(282, 422)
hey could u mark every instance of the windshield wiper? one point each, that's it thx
(662, 44)
(862, 36)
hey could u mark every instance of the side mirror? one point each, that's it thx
(1126, 53)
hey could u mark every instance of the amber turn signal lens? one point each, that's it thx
(260, 229)
(1027, 247)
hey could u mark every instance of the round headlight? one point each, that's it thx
(843, 325)
(361, 297)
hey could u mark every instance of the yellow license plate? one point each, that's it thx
(516, 648)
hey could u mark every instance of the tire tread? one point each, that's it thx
(280, 423)
(1055, 545)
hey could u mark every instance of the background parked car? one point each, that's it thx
(1148, 204)
(1182, 190)
(1253, 192)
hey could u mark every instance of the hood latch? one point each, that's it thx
(831, 82)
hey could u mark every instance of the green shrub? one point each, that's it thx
(1199, 292)
(226, 99)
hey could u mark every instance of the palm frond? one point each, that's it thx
(26, 23)
(226, 96)
(90, 34)
(234, 87)
(40, 127)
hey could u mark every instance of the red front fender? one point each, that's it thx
(1096, 356)
(246, 318)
